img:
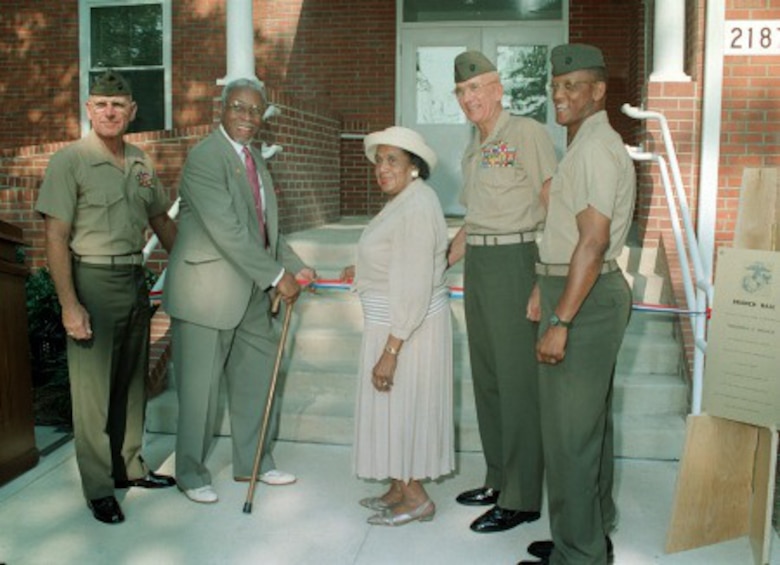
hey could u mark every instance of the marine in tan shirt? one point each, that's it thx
(98, 197)
(585, 304)
(504, 168)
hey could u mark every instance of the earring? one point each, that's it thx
(415, 173)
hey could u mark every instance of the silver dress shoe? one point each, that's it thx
(375, 503)
(423, 513)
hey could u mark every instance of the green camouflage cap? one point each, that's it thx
(470, 64)
(574, 57)
(110, 83)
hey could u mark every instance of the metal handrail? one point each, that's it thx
(701, 302)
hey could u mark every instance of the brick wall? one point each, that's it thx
(750, 116)
(306, 173)
(613, 26)
(340, 53)
(40, 61)
(360, 194)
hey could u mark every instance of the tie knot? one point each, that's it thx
(247, 153)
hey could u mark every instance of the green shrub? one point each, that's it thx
(47, 335)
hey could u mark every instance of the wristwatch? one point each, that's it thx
(556, 321)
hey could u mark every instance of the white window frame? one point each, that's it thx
(85, 39)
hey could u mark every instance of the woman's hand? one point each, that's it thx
(384, 372)
(347, 273)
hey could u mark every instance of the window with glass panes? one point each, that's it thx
(130, 38)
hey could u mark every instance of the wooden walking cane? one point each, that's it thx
(269, 403)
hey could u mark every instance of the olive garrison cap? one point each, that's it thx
(470, 64)
(110, 83)
(575, 57)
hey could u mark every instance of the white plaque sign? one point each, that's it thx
(742, 370)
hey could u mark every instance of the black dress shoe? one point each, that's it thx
(534, 562)
(151, 480)
(498, 519)
(543, 550)
(483, 496)
(106, 510)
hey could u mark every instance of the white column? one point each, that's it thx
(669, 42)
(240, 41)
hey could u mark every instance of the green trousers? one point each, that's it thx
(497, 283)
(576, 399)
(107, 376)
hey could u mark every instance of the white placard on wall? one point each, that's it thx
(742, 367)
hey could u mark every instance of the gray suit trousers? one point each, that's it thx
(244, 358)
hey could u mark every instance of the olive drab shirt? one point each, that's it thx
(108, 208)
(503, 177)
(596, 171)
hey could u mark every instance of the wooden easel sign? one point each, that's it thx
(725, 486)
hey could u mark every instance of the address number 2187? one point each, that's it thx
(746, 37)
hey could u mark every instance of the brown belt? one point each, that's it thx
(562, 270)
(501, 238)
(129, 259)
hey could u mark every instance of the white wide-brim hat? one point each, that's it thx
(404, 138)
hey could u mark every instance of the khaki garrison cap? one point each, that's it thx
(574, 57)
(470, 64)
(110, 83)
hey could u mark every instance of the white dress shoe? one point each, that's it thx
(205, 494)
(276, 477)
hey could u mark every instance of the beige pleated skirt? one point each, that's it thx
(407, 433)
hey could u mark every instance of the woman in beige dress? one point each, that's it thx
(404, 418)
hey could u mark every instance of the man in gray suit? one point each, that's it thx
(228, 260)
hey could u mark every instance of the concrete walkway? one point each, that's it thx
(317, 521)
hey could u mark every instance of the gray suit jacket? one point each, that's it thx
(218, 255)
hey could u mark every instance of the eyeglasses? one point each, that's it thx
(473, 88)
(242, 109)
(569, 86)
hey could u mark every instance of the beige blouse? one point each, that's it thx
(401, 259)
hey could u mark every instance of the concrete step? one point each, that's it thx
(319, 384)
(328, 417)
(317, 405)
(649, 436)
(313, 348)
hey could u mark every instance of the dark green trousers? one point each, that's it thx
(497, 283)
(576, 399)
(107, 376)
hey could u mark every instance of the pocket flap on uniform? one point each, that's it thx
(103, 197)
(196, 256)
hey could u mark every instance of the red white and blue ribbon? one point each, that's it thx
(456, 292)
